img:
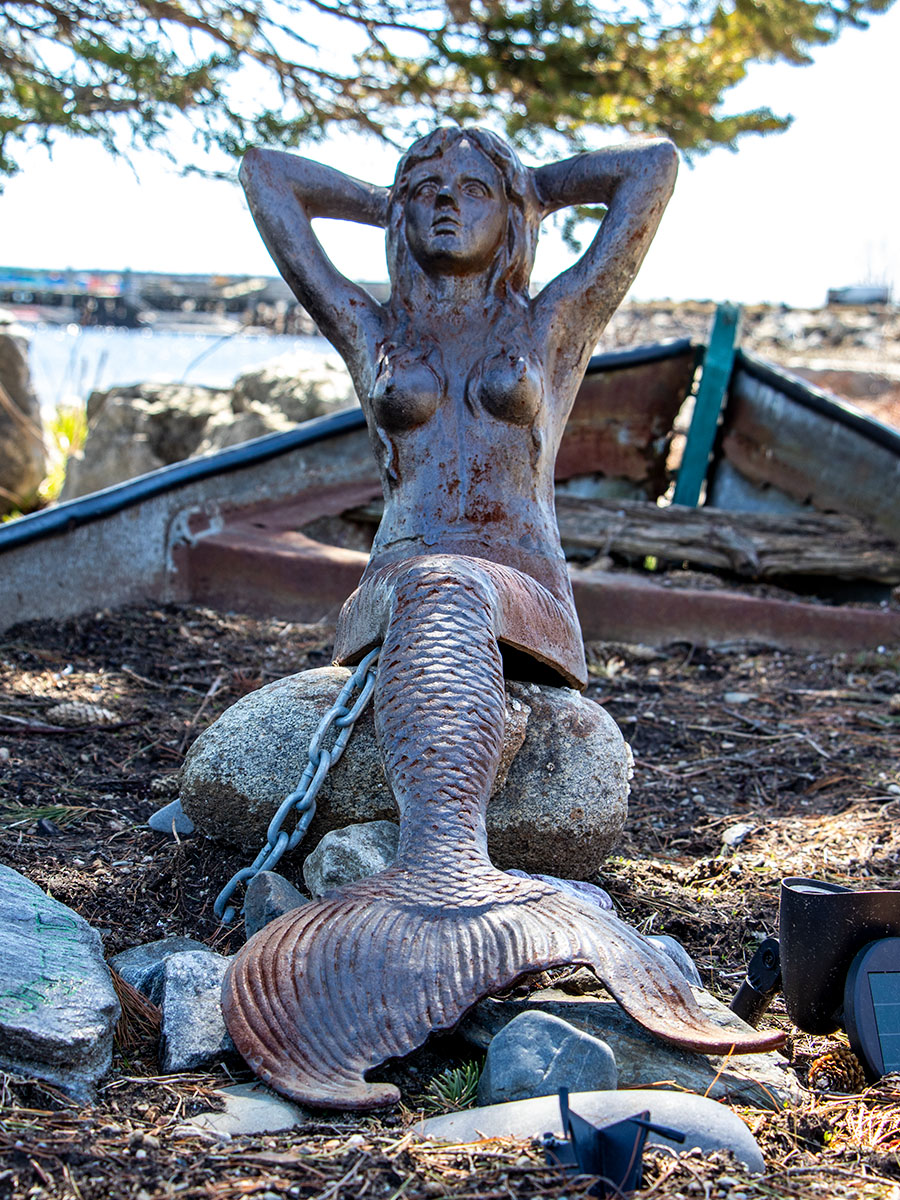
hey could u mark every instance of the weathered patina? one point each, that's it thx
(466, 382)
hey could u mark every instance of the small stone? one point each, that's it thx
(250, 1108)
(171, 819)
(58, 1008)
(708, 1126)
(760, 1080)
(193, 1032)
(537, 1054)
(739, 697)
(893, 789)
(141, 966)
(269, 895)
(735, 834)
(346, 855)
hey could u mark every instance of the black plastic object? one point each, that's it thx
(761, 985)
(872, 1007)
(614, 1153)
(822, 926)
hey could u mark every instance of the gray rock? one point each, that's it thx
(141, 966)
(58, 1008)
(679, 956)
(709, 1126)
(133, 430)
(354, 852)
(171, 818)
(735, 834)
(761, 1080)
(136, 429)
(249, 1108)
(558, 810)
(268, 896)
(23, 461)
(193, 1032)
(299, 385)
(536, 1054)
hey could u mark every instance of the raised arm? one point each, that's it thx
(285, 193)
(635, 181)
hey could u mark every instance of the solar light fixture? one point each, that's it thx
(837, 960)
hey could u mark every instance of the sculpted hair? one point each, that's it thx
(511, 273)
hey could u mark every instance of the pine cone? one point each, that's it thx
(77, 712)
(837, 1070)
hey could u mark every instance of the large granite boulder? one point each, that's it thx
(58, 1007)
(558, 806)
(300, 385)
(133, 430)
(23, 461)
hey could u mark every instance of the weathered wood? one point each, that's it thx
(754, 545)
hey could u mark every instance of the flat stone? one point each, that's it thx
(269, 895)
(193, 1032)
(346, 855)
(708, 1126)
(558, 808)
(249, 1108)
(141, 966)
(58, 1007)
(171, 819)
(536, 1054)
(760, 1080)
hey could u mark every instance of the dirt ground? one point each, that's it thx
(801, 748)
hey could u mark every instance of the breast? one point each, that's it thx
(407, 393)
(510, 388)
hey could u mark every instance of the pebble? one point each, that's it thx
(141, 966)
(269, 895)
(349, 854)
(171, 819)
(193, 1032)
(250, 1108)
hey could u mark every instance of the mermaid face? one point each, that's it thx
(456, 211)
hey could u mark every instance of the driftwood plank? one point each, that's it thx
(755, 545)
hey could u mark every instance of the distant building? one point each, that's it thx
(863, 293)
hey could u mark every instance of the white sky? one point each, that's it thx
(783, 219)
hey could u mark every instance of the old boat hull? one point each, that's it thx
(247, 529)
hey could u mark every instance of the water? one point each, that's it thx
(68, 362)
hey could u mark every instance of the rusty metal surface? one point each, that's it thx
(621, 423)
(772, 445)
(467, 382)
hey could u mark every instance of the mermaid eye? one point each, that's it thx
(425, 189)
(474, 187)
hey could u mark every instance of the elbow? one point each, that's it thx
(249, 164)
(662, 162)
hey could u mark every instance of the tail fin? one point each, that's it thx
(332, 989)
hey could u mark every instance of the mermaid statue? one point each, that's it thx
(466, 381)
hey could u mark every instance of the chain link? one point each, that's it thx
(302, 800)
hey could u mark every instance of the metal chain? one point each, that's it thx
(302, 799)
